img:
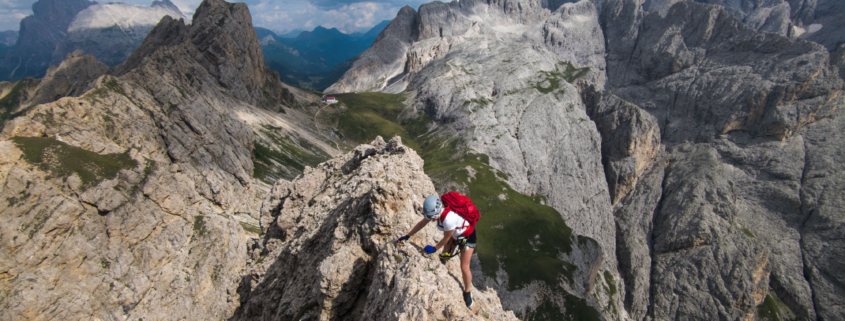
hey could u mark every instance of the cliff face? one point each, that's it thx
(131, 195)
(704, 116)
(326, 250)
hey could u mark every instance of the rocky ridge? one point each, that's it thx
(326, 251)
(132, 194)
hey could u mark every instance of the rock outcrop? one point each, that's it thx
(326, 251)
(220, 40)
(734, 128)
(704, 118)
(135, 200)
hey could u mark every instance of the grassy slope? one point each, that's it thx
(516, 232)
(290, 152)
(62, 160)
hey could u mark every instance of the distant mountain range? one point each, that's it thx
(110, 32)
(314, 59)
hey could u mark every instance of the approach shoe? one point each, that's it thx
(468, 299)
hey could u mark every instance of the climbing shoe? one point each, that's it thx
(468, 299)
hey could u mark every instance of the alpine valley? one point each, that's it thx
(631, 160)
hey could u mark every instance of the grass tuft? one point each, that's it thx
(251, 228)
(62, 160)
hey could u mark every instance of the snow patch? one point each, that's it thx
(813, 28)
(122, 15)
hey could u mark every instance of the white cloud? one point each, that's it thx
(279, 15)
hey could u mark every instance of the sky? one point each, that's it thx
(278, 15)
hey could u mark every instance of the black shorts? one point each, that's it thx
(471, 239)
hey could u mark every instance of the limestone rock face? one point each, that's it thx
(134, 200)
(326, 251)
(506, 76)
(712, 83)
(821, 210)
(630, 140)
(220, 39)
(70, 78)
(820, 21)
(735, 131)
(384, 60)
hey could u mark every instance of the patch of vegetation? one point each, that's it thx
(37, 223)
(105, 264)
(215, 272)
(748, 233)
(563, 71)
(578, 309)
(292, 153)
(773, 309)
(251, 228)
(610, 289)
(529, 249)
(199, 228)
(112, 85)
(17, 199)
(62, 160)
(372, 114)
(611, 283)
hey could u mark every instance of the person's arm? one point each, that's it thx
(418, 227)
(446, 236)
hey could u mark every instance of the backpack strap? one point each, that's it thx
(443, 215)
(468, 227)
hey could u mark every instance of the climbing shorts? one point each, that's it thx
(471, 239)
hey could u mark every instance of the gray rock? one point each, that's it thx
(822, 216)
(327, 251)
(630, 140)
(161, 236)
(713, 83)
(384, 60)
(68, 79)
(634, 226)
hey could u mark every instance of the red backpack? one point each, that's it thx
(462, 205)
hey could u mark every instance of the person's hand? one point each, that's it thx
(429, 249)
(445, 256)
(402, 239)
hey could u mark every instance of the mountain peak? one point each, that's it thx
(222, 39)
(164, 4)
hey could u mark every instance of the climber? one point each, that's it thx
(457, 221)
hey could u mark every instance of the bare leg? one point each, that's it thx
(466, 255)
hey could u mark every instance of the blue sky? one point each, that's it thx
(277, 15)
